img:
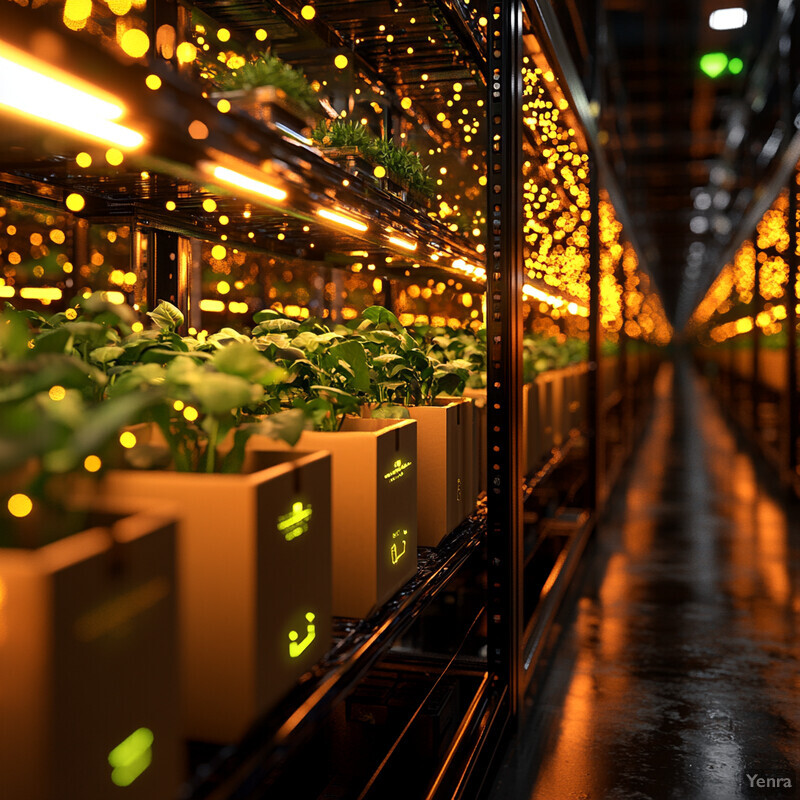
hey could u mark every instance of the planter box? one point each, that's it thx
(480, 437)
(271, 105)
(351, 160)
(445, 471)
(551, 388)
(575, 397)
(254, 571)
(772, 368)
(88, 638)
(374, 509)
(531, 424)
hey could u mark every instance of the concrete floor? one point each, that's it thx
(678, 672)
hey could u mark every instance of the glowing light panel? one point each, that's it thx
(727, 19)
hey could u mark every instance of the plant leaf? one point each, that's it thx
(166, 316)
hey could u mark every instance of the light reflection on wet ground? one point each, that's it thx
(679, 671)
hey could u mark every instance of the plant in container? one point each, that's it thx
(253, 537)
(468, 347)
(87, 597)
(374, 461)
(406, 382)
(266, 88)
(352, 146)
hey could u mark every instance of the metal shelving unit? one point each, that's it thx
(461, 689)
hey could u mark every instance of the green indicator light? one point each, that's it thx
(398, 549)
(735, 66)
(296, 647)
(131, 757)
(713, 64)
(295, 523)
(397, 471)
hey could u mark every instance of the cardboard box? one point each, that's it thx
(89, 664)
(445, 468)
(576, 395)
(538, 428)
(480, 436)
(254, 568)
(374, 509)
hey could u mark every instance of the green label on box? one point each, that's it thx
(399, 468)
(399, 544)
(131, 757)
(298, 645)
(295, 523)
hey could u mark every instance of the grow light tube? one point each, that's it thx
(29, 88)
(341, 219)
(404, 243)
(248, 184)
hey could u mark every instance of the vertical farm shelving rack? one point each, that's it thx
(498, 579)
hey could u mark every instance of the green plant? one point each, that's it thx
(327, 373)
(264, 69)
(205, 397)
(342, 133)
(403, 373)
(399, 161)
(52, 426)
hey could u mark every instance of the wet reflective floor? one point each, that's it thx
(677, 676)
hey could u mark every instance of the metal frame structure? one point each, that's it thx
(504, 341)
(513, 644)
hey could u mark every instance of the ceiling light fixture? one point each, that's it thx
(727, 19)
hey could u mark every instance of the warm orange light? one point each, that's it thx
(404, 243)
(37, 89)
(248, 184)
(44, 293)
(20, 505)
(341, 219)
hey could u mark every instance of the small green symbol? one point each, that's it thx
(131, 757)
(735, 66)
(396, 552)
(398, 469)
(713, 64)
(295, 647)
(295, 523)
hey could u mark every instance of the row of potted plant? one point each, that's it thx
(554, 388)
(350, 143)
(198, 419)
(255, 552)
(269, 89)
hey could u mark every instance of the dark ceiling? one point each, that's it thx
(688, 150)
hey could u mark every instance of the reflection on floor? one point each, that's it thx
(678, 675)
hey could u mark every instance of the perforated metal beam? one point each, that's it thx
(504, 339)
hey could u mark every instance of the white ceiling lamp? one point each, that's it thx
(727, 19)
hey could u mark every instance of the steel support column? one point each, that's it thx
(596, 455)
(504, 339)
(168, 257)
(792, 400)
